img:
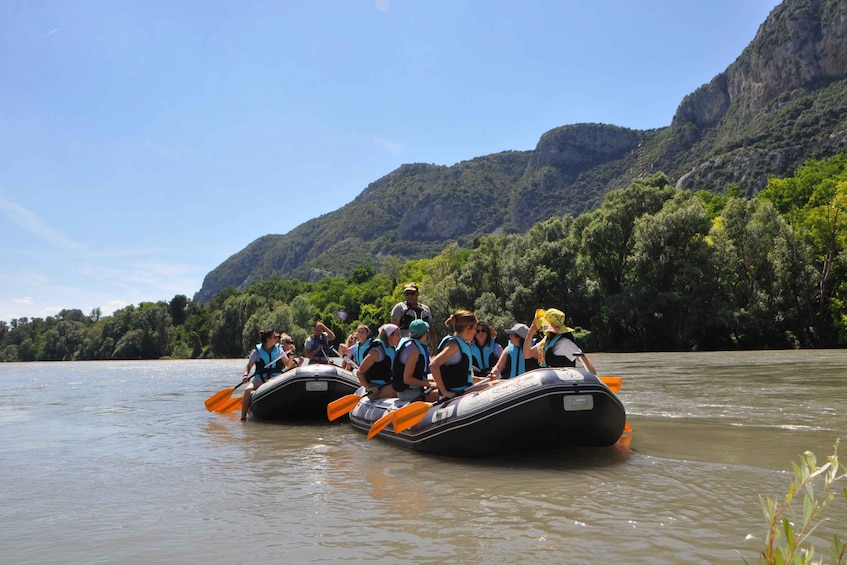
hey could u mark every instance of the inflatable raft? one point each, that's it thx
(301, 393)
(542, 409)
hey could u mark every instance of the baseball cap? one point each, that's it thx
(411, 286)
(520, 329)
(388, 329)
(418, 328)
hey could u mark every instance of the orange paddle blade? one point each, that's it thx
(626, 427)
(218, 398)
(410, 415)
(614, 383)
(380, 424)
(337, 408)
(230, 405)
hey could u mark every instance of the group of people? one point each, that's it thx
(403, 356)
(270, 357)
(405, 353)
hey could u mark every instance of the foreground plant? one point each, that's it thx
(787, 539)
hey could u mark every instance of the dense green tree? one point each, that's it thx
(226, 327)
(179, 305)
(814, 201)
(539, 272)
(63, 340)
(670, 285)
(765, 277)
(607, 236)
(130, 345)
(10, 353)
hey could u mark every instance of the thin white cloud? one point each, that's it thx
(49, 33)
(391, 145)
(167, 278)
(381, 5)
(24, 300)
(28, 221)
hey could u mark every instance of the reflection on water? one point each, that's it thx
(120, 462)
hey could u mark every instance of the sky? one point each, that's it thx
(144, 142)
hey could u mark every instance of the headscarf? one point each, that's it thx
(552, 321)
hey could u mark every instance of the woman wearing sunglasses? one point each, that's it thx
(486, 352)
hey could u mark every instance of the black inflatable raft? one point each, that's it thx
(541, 409)
(301, 393)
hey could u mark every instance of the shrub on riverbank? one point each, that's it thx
(789, 529)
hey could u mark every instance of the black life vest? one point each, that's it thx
(552, 360)
(380, 371)
(459, 376)
(421, 367)
(412, 313)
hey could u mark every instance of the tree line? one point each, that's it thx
(654, 268)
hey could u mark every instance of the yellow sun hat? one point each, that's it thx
(554, 321)
(538, 321)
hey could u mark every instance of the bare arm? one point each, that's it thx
(309, 352)
(290, 361)
(587, 363)
(330, 334)
(367, 363)
(530, 351)
(409, 371)
(245, 376)
(501, 364)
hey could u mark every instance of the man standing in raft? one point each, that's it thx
(406, 312)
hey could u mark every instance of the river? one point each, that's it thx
(119, 462)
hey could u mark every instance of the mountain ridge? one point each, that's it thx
(781, 102)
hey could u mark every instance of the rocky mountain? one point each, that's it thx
(783, 101)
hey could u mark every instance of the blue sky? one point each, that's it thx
(144, 142)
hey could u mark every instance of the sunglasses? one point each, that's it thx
(481, 331)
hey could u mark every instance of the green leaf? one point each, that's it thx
(789, 533)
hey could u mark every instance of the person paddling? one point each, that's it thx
(270, 359)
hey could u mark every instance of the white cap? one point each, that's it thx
(388, 329)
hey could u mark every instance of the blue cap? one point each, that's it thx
(418, 328)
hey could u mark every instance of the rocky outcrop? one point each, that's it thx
(706, 105)
(800, 42)
(576, 148)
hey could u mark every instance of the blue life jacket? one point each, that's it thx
(264, 368)
(516, 364)
(359, 351)
(484, 357)
(459, 376)
(421, 367)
